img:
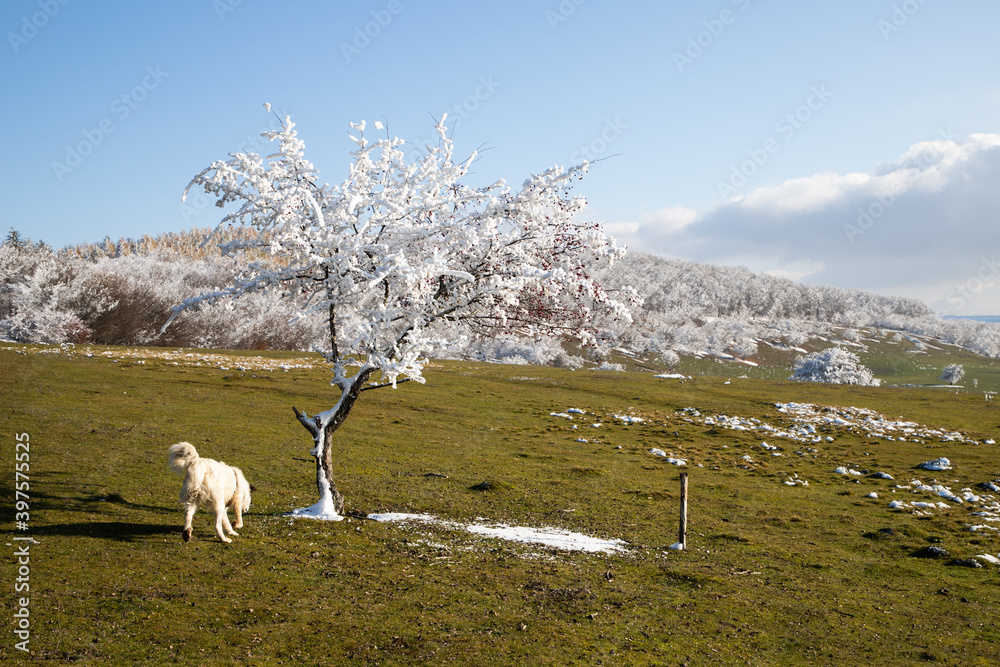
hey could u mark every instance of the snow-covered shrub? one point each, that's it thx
(670, 358)
(851, 335)
(743, 347)
(510, 349)
(834, 365)
(953, 374)
(570, 361)
(609, 366)
(261, 321)
(44, 326)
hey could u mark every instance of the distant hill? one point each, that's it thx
(975, 318)
(723, 311)
(121, 292)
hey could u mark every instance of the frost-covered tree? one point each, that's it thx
(401, 258)
(953, 374)
(834, 365)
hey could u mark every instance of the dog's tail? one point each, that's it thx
(182, 455)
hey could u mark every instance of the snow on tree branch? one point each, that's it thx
(401, 257)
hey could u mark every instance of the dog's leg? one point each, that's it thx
(225, 523)
(221, 522)
(239, 516)
(191, 509)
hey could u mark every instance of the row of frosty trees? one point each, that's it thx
(121, 293)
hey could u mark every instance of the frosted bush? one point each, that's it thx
(511, 349)
(953, 374)
(44, 327)
(609, 366)
(834, 365)
(670, 358)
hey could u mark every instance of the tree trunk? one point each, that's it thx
(323, 438)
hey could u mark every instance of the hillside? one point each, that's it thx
(702, 309)
(121, 293)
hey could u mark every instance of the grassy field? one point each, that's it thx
(773, 574)
(896, 362)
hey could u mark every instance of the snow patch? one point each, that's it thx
(936, 465)
(550, 537)
(629, 419)
(669, 457)
(321, 511)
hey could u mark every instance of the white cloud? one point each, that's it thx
(803, 195)
(921, 226)
(671, 219)
(785, 273)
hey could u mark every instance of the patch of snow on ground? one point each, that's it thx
(550, 537)
(629, 419)
(669, 457)
(321, 511)
(936, 465)
(182, 358)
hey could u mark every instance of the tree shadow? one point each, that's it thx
(119, 531)
(71, 499)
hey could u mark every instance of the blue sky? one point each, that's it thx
(766, 134)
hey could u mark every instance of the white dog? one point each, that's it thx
(210, 484)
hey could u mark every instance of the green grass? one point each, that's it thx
(773, 574)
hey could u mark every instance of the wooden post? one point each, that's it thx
(684, 510)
